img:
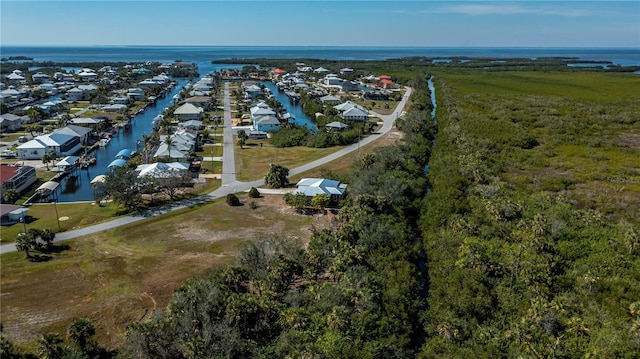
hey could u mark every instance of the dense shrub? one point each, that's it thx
(232, 200)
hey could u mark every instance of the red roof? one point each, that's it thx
(384, 77)
(386, 81)
(6, 172)
(279, 71)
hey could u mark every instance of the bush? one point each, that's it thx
(254, 193)
(232, 200)
(253, 205)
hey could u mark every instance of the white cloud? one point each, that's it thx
(478, 10)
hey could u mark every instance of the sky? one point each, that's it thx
(419, 23)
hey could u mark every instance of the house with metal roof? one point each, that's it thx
(189, 111)
(352, 111)
(61, 144)
(82, 132)
(311, 187)
(17, 178)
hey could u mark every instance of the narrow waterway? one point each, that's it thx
(292, 107)
(81, 189)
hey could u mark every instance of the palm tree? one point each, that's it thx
(80, 333)
(49, 346)
(169, 142)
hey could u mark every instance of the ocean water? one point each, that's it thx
(204, 54)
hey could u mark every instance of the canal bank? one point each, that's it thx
(80, 189)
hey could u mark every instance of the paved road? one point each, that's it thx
(229, 182)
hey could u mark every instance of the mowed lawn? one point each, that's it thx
(120, 276)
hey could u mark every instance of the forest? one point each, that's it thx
(505, 227)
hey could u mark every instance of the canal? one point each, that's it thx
(292, 107)
(81, 189)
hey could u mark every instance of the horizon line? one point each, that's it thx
(337, 46)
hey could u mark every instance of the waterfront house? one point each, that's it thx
(189, 111)
(335, 126)
(352, 111)
(148, 84)
(311, 187)
(252, 91)
(330, 99)
(67, 164)
(162, 170)
(266, 123)
(61, 144)
(87, 122)
(206, 102)
(84, 133)
(75, 94)
(17, 178)
(136, 94)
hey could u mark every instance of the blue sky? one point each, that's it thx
(322, 23)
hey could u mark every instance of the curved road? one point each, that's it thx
(229, 182)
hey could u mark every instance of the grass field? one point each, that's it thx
(122, 275)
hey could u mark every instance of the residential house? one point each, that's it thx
(148, 84)
(206, 102)
(192, 124)
(87, 122)
(87, 75)
(40, 77)
(352, 111)
(87, 89)
(67, 164)
(330, 99)
(311, 187)
(120, 100)
(16, 77)
(114, 108)
(335, 126)
(11, 123)
(84, 133)
(252, 91)
(61, 144)
(162, 170)
(75, 94)
(189, 111)
(264, 118)
(346, 71)
(17, 178)
(136, 94)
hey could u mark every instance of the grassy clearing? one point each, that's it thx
(73, 215)
(120, 276)
(253, 161)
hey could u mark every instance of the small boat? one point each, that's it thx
(104, 142)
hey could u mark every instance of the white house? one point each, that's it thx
(346, 71)
(75, 94)
(61, 144)
(311, 187)
(83, 133)
(352, 111)
(162, 170)
(136, 94)
(40, 77)
(11, 123)
(87, 75)
(189, 111)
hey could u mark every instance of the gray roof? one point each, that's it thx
(314, 186)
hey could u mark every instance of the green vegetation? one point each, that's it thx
(525, 257)
(520, 240)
